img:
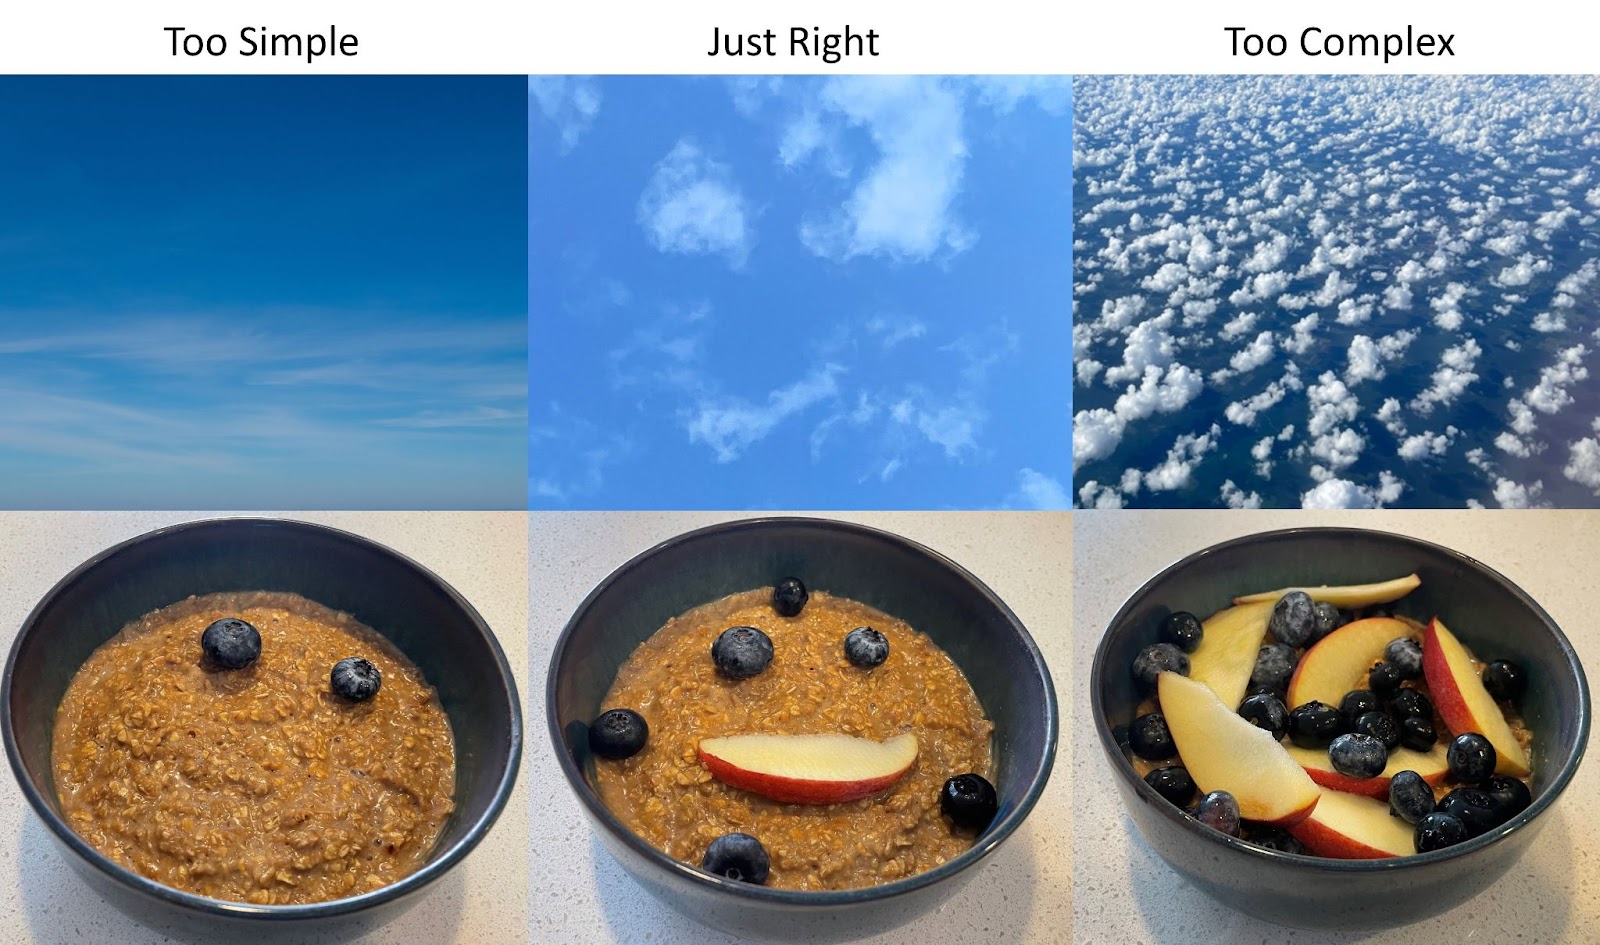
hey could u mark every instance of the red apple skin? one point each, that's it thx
(1449, 701)
(1375, 788)
(1324, 841)
(796, 790)
(1293, 817)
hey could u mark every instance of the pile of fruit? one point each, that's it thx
(1312, 720)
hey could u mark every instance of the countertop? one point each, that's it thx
(1021, 895)
(484, 555)
(1124, 893)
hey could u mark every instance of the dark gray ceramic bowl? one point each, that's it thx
(1490, 614)
(900, 577)
(431, 623)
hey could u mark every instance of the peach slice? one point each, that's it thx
(1223, 752)
(809, 769)
(1461, 700)
(1336, 664)
(1349, 596)
(1431, 765)
(1228, 648)
(1352, 827)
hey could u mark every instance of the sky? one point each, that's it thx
(760, 292)
(1337, 292)
(262, 292)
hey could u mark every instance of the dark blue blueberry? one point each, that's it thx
(618, 733)
(1355, 704)
(231, 643)
(1182, 629)
(1275, 839)
(866, 647)
(1149, 738)
(1219, 811)
(1358, 756)
(1410, 703)
(1471, 758)
(1173, 783)
(1404, 654)
(969, 800)
(1410, 797)
(737, 856)
(1379, 726)
(355, 679)
(1266, 711)
(789, 597)
(1437, 831)
(1417, 733)
(1510, 794)
(1504, 680)
(1275, 663)
(1294, 619)
(1477, 811)
(742, 652)
(1155, 659)
(1314, 724)
(1327, 619)
(1384, 678)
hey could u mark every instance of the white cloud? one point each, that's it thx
(692, 205)
(569, 102)
(1451, 378)
(1515, 495)
(1236, 498)
(1344, 494)
(731, 425)
(1177, 470)
(1035, 490)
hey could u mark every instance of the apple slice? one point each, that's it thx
(1228, 648)
(809, 769)
(1223, 752)
(1352, 827)
(1335, 665)
(1348, 596)
(1431, 765)
(1461, 700)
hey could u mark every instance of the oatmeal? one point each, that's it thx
(668, 796)
(256, 784)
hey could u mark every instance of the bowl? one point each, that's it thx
(902, 578)
(427, 619)
(1490, 614)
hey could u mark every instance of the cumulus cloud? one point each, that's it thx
(692, 205)
(569, 102)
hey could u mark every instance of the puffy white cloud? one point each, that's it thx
(1177, 470)
(569, 102)
(1344, 494)
(692, 205)
(1451, 378)
(1583, 463)
(1427, 443)
(1522, 272)
(1036, 490)
(1095, 496)
(1236, 498)
(1097, 433)
(1248, 358)
(1515, 495)
(1239, 326)
(1550, 395)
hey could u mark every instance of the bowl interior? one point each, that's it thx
(886, 572)
(426, 619)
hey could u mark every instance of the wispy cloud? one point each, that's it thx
(571, 103)
(730, 425)
(1037, 490)
(693, 205)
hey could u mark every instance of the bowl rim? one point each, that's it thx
(435, 868)
(1307, 862)
(805, 899)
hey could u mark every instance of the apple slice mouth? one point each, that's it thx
(809, 769)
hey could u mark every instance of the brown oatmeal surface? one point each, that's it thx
(667, 796)
(258, 784)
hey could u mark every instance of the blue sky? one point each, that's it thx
(262, 292)
(799, 292)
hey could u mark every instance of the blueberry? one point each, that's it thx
(1405, 655)
(1266, 711)
(618, 733)
(1384, 678)
(1510, 794)
(1173, 783)
(866, 647)
(1275, 839)
(1327, 619)
(1355, 704)
(355, 679)
(1504, 680)
(1379, 726)
(1275, 663)
(969, 800)
(1471, 758)
(1219, 811)
(789, 597)
(742, 652)
(1410, 797)
(1313, 725)
(1437, 831)
(1156, 659)
(737, 856)
(1150, 739)
(231, 643)
(1277, 692)
(1417, 733)
(1358, 756)
(1477, 811)
(1182, 629)
(1293, 619)
(1410, 703)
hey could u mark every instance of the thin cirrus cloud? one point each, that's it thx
(569, 102)
(692, 205)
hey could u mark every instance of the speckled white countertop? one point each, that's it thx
(483, 555)
(583, 897)
(1124, 893)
